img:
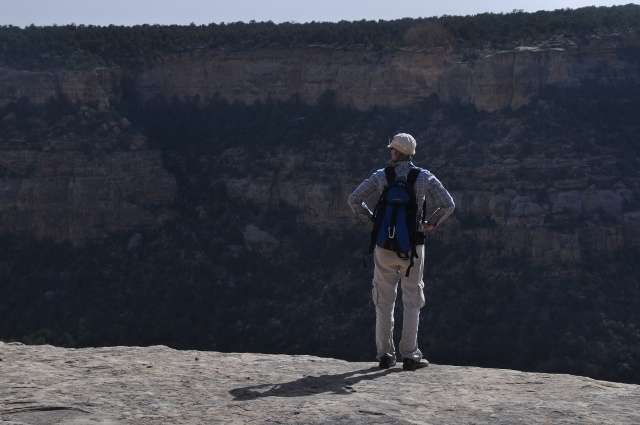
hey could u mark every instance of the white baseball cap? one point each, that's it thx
(404, 143)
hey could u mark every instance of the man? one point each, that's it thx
(389, 267)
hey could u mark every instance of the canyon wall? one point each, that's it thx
(530, 216)
(91, 176)
(536, 268)
(359, 77)
(363, 78)
(68, 196)
(95, 86)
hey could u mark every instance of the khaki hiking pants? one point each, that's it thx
(389, 270)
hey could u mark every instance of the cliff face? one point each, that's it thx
(527, 214)
(83, 194)
(361, 78)
(97, 85)
(72, 197)
(541, 253)
(77, 186)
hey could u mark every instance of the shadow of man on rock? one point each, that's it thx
(310, 385)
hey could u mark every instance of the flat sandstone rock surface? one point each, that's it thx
(158, 385)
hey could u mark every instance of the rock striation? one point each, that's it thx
(97, 85)
(72, 197)
(359, 77)
(528, 215)
(362, 78)
(154, 385)
(80, 185)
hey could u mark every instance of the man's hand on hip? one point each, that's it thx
(426, 226)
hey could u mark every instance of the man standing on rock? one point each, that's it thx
(390, 267)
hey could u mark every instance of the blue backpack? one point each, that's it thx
(395, 221)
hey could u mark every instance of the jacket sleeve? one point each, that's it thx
(442, 200)
(363, 192)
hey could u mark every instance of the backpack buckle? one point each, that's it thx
(403, 255)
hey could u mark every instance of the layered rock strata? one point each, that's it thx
(542, 207)
(66, 190)
(363, 78)
(95, 86)
(360, 77)
(72, 197)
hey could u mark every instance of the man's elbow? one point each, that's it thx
(449, 204)
(352, 201)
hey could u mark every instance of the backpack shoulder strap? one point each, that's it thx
(413, 176)
(411, 179)
(390, 173)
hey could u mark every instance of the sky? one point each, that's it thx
(183, 12)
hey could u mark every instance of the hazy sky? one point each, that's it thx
(132, 12)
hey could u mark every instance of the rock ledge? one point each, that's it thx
(154, 385)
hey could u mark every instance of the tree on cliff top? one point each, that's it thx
(85, 47)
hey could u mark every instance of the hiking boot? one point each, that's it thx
(386, 362)
(410, 364)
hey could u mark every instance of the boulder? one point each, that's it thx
(259, 241)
